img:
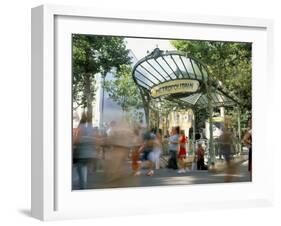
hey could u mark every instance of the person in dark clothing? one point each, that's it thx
(173, 148)
(200, 153)
(146, 149)
(247, 140)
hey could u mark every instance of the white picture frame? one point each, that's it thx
(52, 197)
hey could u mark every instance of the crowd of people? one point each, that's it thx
(145, 149)
(149, 154)
(145, 153)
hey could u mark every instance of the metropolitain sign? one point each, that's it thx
(175, 86)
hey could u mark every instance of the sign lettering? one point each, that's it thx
(175, 86)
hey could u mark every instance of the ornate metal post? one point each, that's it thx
(193, 136)
(239, 131)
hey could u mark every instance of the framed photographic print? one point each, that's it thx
(136, 113)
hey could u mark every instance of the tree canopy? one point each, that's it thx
(123, 90)
(92, 55)
(229, 62)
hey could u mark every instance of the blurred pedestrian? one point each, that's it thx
(182, 152)
(112, 128)
(157, 149)
(135, 154)
(85, 150)
(200, 156)
(226, 145)
(173, 148)
(247, 140)
(146, 149)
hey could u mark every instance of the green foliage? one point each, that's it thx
(123, 89)
(91, 55)
(229, 62)
(200, 118)
(222, 58)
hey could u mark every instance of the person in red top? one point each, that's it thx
(182, 151)
(136, 165)
(135, 155)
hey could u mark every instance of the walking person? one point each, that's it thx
(146, 149)
(226, 143)
(135, 154)
(157, 149)
(247, 140)
(85, 150)
(173, 147)
(182, 152)
(112, 128)
(200, 155)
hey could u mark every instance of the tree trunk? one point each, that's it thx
(89, 97)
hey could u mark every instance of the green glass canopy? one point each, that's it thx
(161, 67)
(185, 82)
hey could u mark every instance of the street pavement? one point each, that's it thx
(168, 177)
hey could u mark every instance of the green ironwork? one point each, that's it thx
(160, 67)
(239, 130)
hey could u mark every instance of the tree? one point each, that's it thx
(229, 62)
(123, 90)
(125, 93)
(92, 55)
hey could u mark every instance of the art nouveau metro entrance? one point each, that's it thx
(182, 81)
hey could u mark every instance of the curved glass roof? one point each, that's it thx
(160, 67)
(201, 100)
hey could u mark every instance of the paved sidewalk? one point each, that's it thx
(165, 176)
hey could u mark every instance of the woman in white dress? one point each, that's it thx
(157, 150)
